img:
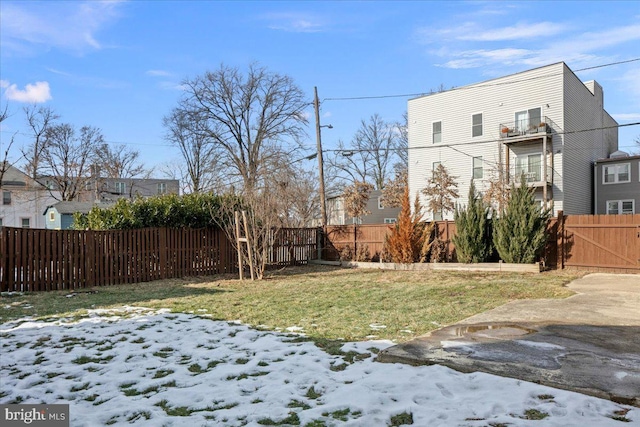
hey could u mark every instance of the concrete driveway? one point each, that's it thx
(589, 342)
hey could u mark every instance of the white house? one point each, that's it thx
(544, 123)
(378, 213)
(23, 200)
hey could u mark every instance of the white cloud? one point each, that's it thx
(522, 30)
(4, 84)
(69, 25)
(295, 22)
(158, 73)
(32, 93)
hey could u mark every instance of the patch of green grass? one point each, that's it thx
(81, 360)
(534, 414)
(161, 373)
(262, 363)
(179, 411)
(53, 374)
(342, 414)
(139, 415)
(298, 404)
(39, 360)
(196, 369)
(138, 340)
(545, 397)
(291, 420)
(312, 393)
(404, 418)
(340, 302)
(91, 398)
(84, 386)
(242, 361)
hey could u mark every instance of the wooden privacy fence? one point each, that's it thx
(373, 235)
(601, 242)
(43, 260)
(594, 242)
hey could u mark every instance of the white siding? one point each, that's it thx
(569, 104)
(583, 110)
(498, 100)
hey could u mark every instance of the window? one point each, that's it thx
(435, 165)
(26, 222)
(616, 207)
(613, 174)
(476, 125)
(390, 220)
(531, 166)
(528, 119)
(380, 205)
(478, 172)
(52, 216)
(6, 197)
(437, 132)
(162, 188)
(357, 220)
(121, 188)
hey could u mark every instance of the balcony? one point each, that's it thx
(524, 129)
(533, 175)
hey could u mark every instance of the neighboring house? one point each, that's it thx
(23, 200)
(379, 214)
(108, 189)
(544, 123)
(617, 184)
(59, 216)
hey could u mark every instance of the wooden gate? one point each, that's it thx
(606, 242)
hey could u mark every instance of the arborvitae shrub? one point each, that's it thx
(473, 230)
(520, 231)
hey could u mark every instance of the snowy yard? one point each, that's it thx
(147, 367)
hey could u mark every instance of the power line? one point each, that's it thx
(473, 86)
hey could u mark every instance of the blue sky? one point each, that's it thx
(118, 65)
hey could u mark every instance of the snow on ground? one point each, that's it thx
(148, 367)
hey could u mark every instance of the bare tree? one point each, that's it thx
(402, 146)
(441, 191)
(638, 145)
(393, 191)
(496, 195)
(39, 120)
(371, 154)
(200, 171)
(66, 158)
(298, 196)
(4, 162)
(118, 162)
(250, 119)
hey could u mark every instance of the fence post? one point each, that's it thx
(560, 241)
(319, 240)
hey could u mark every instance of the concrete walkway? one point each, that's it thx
(589, 342)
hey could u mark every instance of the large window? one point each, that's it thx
(162, 188)
(531, 166)
(26, 222)
(121, 188)
(478, 172)
(612, 174)
(528, 119)
(618, 207)
(437, 132)
(6, 197)
(476, 125)
(380, 204)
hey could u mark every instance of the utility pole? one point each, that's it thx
(323, 203)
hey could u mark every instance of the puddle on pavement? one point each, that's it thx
(512, 329)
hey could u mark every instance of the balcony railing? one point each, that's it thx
(525, 128)
(532, 174)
